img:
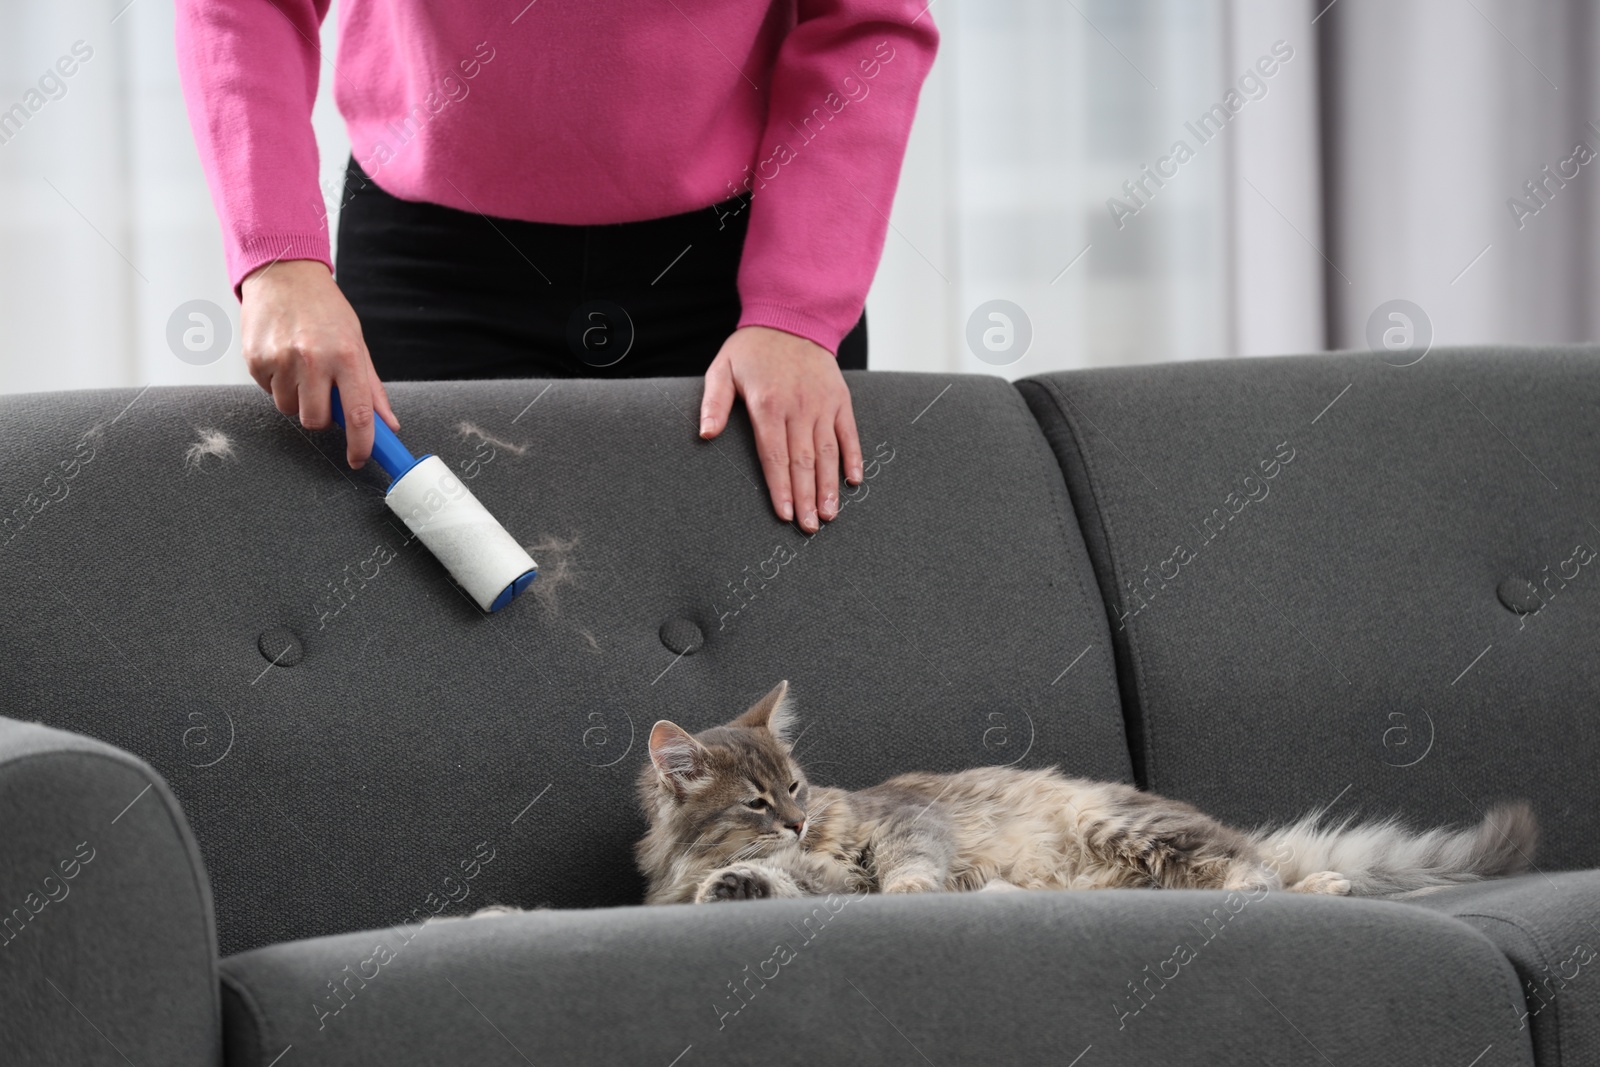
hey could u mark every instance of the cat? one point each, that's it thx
(733, 817)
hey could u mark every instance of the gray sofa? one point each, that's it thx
(277, 751)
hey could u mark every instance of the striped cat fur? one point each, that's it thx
(732, 817)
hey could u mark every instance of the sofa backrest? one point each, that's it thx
(408, 753)
(1321, 571)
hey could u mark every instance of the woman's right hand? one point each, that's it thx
(301, 338)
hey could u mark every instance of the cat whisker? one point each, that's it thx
(691, 844)
(748, 852)
(814, 813)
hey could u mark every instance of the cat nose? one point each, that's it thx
(798, 826)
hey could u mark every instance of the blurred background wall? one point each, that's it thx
(1384, 156)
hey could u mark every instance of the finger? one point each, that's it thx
(286, 392)
(844, 425)
(316, 413)
(380, 401)
(355, 395)
(772, 445)
(803, 473)
(717, 401)
(261, 372)
(827, 444)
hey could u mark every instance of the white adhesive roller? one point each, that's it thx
(460, 532)
(445, 516)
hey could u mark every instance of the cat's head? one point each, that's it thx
(734, 786)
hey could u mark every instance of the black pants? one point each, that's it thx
(443, 293)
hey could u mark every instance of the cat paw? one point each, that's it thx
(999, 885)
(1328, 883)
(912, 883)
(1252, 878)
(735, 883)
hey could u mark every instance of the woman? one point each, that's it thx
(560, 188)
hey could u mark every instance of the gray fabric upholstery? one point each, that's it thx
(1548, 926)
(408, 756)
(1020, 978)
(107, 948)
(929, 627)
(1341, 638)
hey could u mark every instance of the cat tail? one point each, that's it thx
(1386, 858)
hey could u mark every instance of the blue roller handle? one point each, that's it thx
(387, 451)
(396, 460)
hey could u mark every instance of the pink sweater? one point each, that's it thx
(579, 112)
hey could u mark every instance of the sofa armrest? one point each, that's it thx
(107, 939)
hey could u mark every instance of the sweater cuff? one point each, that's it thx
(787, 319)
(257, 250)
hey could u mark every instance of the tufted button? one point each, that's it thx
(682, 636)
(1519, 595)
(281, 647)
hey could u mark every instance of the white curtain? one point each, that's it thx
(1438, 115)
(106, 227)
(1037, 113)
(1375, 163)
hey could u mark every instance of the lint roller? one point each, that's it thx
(445, 516)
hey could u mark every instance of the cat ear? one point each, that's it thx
(677, 756)
(772, 712)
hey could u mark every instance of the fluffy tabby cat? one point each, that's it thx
(732, 817)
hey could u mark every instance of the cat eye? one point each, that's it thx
(758, 804)
(794, 787)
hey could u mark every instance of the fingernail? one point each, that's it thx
(705, 427)
(810, 520)
(855, 475)
(830, 506)
(787, 511)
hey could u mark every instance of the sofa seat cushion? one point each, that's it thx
(1094, 979)
(1548, 926)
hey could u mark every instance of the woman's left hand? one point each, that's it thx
(800, 409)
